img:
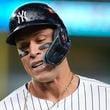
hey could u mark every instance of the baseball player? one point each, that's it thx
(42, 42)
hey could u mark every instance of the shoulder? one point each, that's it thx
(13, 97)
(93, 82)
(94, 93)
(15, 93)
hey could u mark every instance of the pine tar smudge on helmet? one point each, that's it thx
(32, 15)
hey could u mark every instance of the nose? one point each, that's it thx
(34, 49)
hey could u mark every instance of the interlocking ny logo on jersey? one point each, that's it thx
(22, 16)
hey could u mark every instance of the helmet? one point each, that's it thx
(32, 15)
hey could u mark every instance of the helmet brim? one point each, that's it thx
(25, 29)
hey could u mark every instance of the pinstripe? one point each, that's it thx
(12, 103)
(25, 98)
(99, 96)
(78, 100)
(18, 101)
(98, 99)
(106, 98)
(85, 96)
(65, 104)
(32, 102)
(92, 96)
(71, 101)
(40, 103)
(5, 105)
(47, 104)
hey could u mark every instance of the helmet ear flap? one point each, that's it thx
(59, 47)
(63, 36)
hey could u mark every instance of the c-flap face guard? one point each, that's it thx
(58, 49)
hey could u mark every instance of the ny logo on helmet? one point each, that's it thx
(21, 16)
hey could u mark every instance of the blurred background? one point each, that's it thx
(88, 25)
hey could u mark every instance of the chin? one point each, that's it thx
(43, 78)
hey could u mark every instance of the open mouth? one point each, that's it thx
(37, 64)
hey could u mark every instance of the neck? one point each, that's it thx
(56, 89)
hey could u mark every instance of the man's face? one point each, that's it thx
(32, 49)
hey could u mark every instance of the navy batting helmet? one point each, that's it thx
(32, 15)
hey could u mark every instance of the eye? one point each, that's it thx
(39, 41)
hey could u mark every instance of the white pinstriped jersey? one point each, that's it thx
(90, 95)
